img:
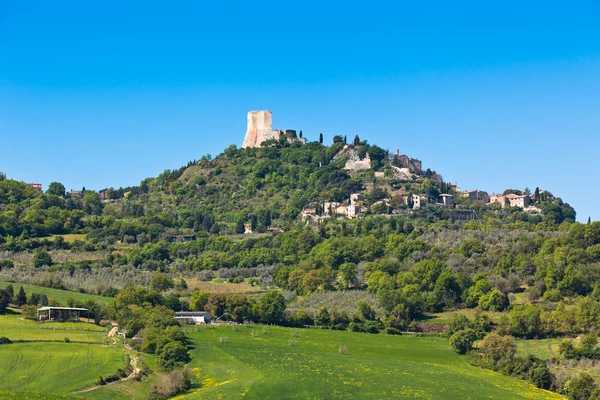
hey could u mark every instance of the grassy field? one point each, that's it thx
(545, 349)
(55, 368)
(6, 395)
(221, 287)
(126, 390)
(70, 237)
(14, 327)
(60, 295)
(375, 366)
(446, 317)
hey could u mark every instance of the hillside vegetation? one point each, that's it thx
(254, 235)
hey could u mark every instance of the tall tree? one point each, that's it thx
(321, 138)
(21, 297)
(239, 227)
(300, 135)
(356, 140)
(56, 189)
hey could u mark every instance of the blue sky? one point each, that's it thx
(491, 96)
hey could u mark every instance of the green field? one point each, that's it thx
(14, 327)
(55, 368)
(375, 366)
(545, 349)
(57, 294)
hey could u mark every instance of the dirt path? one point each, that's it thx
(133, 362)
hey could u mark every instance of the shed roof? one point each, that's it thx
(62, 308)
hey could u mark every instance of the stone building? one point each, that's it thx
(405, 161)
(475, 195)
(447, 200)
(511, 200)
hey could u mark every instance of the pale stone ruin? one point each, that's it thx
(260, 129)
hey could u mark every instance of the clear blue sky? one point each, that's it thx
(492, 96)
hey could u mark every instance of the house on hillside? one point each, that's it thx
(476, 195)
(36, 186)
(511, 200)
(447, 200)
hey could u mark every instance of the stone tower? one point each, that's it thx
(260, 128)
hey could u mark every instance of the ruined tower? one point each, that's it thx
(260, 128)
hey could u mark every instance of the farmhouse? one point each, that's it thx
(36, 186)
(511, 200)
(193, 317)
(61, 314)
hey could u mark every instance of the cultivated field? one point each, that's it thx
(375, 366)
(57, 294)
(218, 287)
(15, 327)
(55, 368)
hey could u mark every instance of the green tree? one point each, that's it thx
(462, 341)
(322, 317)
(271, 307)
(21, 297)
(239, 227)
(321, 138)
(42, 258)
(173, 354)
(161, 282)
(356, 140)
(56, 189)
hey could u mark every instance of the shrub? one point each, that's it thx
(462, 341)
(5, 340)
(171, 384)
(67, 340)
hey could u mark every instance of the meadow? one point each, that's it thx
(59, 295)
(259, 365)
(55, 368)
(16, 328)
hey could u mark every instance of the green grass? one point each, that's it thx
(71, 237)
(55, 368)
(14, 327)
(545, 349)
(131, 389)
(446, 317)
(375, 366)
(60, 295)
(5, 395)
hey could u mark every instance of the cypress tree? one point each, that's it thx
(356, 140)
(589, 220)
(268, 219)
(239, 227)
(10, 291)
(21, 297)
(321, 138)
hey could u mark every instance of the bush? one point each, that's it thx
(171, 384)
(67, 340)
(5, 340)
(462, 341)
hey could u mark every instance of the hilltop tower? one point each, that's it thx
(260, 128)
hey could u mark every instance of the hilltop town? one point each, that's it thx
(397, 180)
